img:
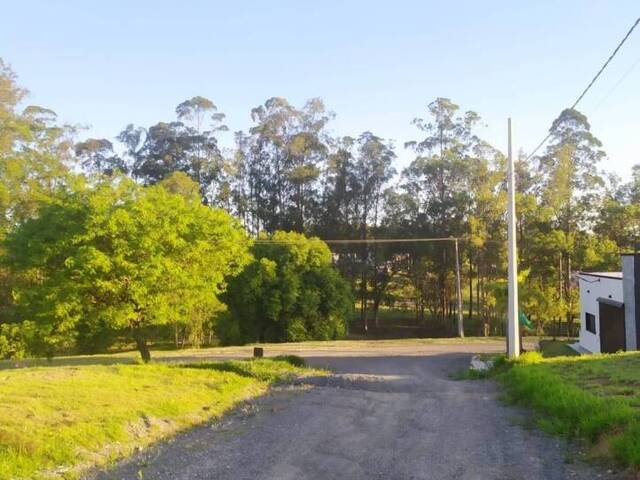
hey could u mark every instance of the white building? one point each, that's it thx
(610, 308)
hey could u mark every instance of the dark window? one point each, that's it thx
(590, 322)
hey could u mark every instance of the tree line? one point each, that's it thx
(289, 172)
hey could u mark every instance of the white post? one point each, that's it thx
(513, 339)
(459, 294)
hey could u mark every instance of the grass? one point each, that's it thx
(59, 422)
(594, 398)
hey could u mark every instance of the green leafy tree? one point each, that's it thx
(122, 256)
(35, 156)
(290, 292)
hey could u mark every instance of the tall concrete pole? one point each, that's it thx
(513, 338)
(459, 294)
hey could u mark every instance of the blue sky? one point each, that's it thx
(376, 64)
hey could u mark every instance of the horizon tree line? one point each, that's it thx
(288, 172)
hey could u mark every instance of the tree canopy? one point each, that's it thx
(122, 256)
(142, 233)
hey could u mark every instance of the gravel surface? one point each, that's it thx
(390, 416)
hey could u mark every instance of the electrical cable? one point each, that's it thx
(591, 83)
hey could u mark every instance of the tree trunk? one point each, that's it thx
(141, 343)
(478, 279)
(376, 308)
(470, 290)
(363, 301)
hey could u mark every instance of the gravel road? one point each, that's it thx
(391, 416)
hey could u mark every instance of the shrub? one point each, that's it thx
(529, 358)
(17, 339)
(290, 292)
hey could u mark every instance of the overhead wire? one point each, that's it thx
(591, 83)
(617, 84)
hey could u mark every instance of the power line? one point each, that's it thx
(368, 240)
(593, 80)
(377, 241)
(606, 63)
(618, 83)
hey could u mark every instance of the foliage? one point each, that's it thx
(290, 171)
(117, 256)
(290, 292)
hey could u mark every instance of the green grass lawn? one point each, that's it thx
(594, 398)
(56, 422)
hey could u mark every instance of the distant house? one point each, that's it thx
(610, 308)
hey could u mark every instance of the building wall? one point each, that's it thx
(628, 287)
(591, 288)
(631, 289)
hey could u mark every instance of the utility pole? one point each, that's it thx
(513, 337)
(459, 293)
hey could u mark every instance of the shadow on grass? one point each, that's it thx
(285, 367)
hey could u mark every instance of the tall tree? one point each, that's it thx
(97, 155)
(284, 154)
(436, 182)
(188, 145)
(35, 161)
(120, 256)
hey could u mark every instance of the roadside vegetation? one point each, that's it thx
(156, 235)
(595, 399)
(59, 422)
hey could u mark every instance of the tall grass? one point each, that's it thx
(581, 397)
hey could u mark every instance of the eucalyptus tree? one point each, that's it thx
(188, 144)
(372, 170)
(204, 122)
(337, 218)
(437, 181)
(97, 155)
(571, 187)
(284, 153)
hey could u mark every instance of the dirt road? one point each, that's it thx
(391, 416)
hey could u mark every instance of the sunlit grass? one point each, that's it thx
(596, 398)
(56, 422)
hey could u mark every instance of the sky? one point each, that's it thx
(376, 64)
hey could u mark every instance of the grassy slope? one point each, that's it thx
(595, 398)
(63, 420)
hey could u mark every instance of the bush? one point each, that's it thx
(530, 358)
(290, 292)
(17, 339)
